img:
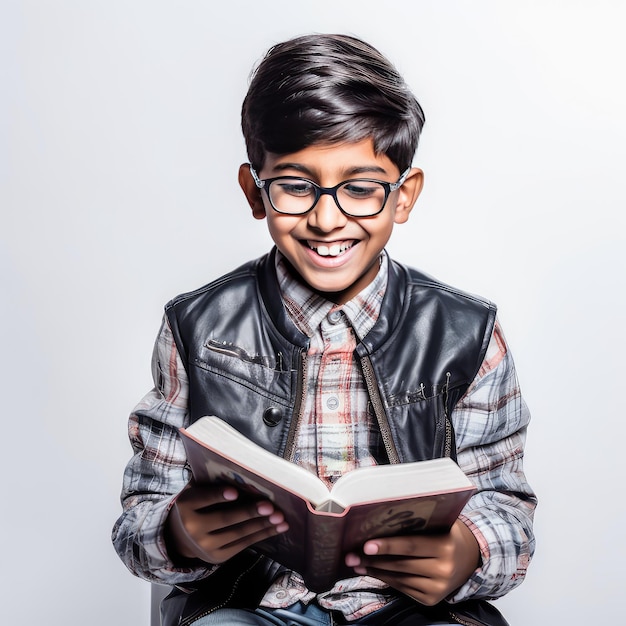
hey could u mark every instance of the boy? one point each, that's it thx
(329, 353)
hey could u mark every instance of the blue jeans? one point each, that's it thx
(302, 615)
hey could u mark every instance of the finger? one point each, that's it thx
(223, 544)
(397, 567)
(229, 516)
(427, 591)
(374, 558)
(197, 497)
(235, 516)
(407, 546)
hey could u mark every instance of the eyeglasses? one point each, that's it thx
(357, 197)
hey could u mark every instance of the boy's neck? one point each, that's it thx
(307, 307)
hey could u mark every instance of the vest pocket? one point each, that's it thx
(241, 371)
(427, 431)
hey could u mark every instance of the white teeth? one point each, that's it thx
(333, 250)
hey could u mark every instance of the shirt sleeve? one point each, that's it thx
(157, 471)
(490, 423)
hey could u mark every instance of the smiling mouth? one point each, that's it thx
(333, 249)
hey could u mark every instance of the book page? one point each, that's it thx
(225, 441)
(385, 482)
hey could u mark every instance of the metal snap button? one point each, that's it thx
(272, 416)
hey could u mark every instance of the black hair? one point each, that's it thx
(325, 89)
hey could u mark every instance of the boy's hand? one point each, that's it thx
(209, 523)
(428, 568)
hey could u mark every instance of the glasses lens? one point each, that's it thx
(292, 195)
(361, 197)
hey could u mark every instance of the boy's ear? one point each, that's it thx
(408, 194)
(251, 191)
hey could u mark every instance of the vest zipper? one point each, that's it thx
(379, 410)
(464, 621)
(447, 446)
(290, 447)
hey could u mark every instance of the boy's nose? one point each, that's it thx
(326, 215)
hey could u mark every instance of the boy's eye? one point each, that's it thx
(361, 190)
(296, 187)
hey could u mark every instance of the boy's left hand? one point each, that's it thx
(428, 568)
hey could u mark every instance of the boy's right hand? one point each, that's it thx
(210, 523)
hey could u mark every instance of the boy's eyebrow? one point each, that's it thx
(352, 171)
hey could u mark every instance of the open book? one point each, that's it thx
(368, 502)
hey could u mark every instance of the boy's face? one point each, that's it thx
(358, 241)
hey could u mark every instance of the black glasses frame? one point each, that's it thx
(331, 191)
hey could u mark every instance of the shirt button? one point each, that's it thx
(281, 594)
(334, 317)
(332, 403)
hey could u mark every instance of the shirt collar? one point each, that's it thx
(307, 309)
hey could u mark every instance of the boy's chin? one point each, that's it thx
(330, 280)
(338, 291)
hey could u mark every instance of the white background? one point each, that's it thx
(119, 149)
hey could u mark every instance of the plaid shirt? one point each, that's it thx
(335, 435)
(337, 425)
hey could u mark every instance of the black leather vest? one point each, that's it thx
(245, 358)
(246, 362)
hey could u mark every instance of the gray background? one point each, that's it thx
(119, 149)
